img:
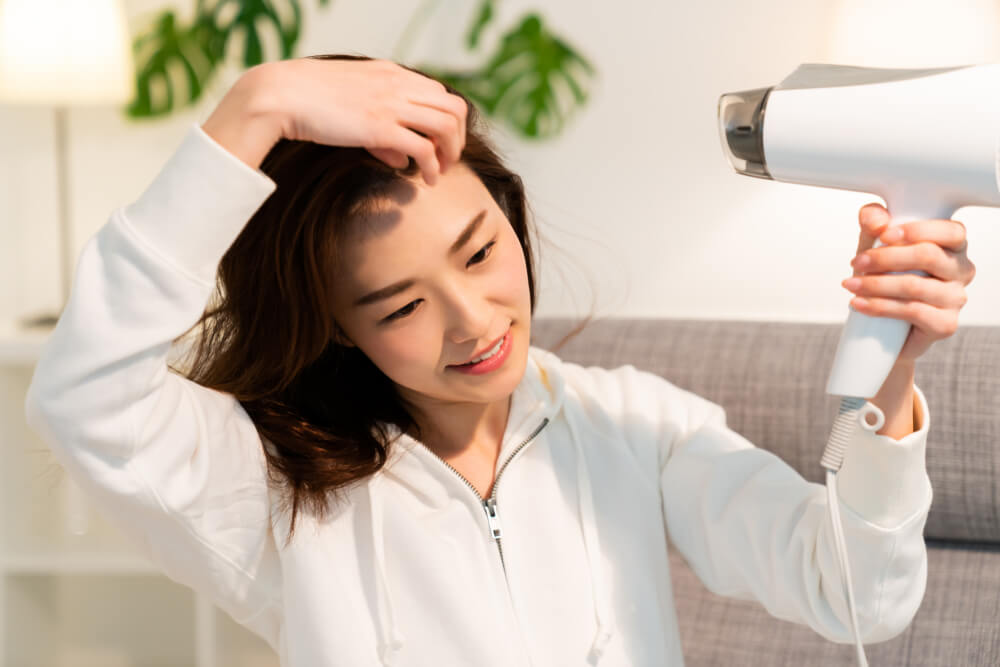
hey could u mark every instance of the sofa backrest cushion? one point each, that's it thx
(771, 379)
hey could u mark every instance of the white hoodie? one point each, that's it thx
(598, 469)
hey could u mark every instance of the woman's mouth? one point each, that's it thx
(491, 360)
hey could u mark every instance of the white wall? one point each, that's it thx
(637, 203)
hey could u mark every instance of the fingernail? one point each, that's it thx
(893, 235)
(852, 283)
(862, 261)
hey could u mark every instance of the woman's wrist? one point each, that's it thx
(896, 399)
(245, 122)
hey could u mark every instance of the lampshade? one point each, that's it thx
(64, 52)
(914, 33)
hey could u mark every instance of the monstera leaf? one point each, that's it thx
(248, 14)
(529, 81)
(163, 45)
(534, 80)
(197, 50)
(483, 16)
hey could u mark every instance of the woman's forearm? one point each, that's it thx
(244, 123)
(895, 399)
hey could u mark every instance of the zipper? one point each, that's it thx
(490, 504)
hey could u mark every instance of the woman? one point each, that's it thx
(511, 512)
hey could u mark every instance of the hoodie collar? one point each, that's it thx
(538, 397)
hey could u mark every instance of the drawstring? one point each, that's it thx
(602, 595)
(390, 639)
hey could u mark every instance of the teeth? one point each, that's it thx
(496, 348)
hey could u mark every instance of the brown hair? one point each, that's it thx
(322, 405)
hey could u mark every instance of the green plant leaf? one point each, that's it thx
(483, 17)
(166, 46)
(521, 82)
(251, 12)
(196, 50)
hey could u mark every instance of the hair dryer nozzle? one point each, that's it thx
(741, 128)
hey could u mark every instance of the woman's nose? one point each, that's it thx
(470, 317)
(475, 329)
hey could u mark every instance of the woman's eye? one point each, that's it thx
(409, 308)
(484, 250)
(402, 312)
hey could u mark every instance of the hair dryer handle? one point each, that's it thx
(869, 346)
(868, 349)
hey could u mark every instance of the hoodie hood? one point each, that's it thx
(539, 398)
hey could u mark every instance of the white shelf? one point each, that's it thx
(20, 346)
(89, 600)
(83, 621)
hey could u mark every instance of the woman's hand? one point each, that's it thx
(930, 303)
(375, 104)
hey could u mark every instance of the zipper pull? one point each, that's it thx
(490, 505)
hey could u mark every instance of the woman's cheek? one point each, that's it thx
(513, 278)
(393, 352)
(410, 344)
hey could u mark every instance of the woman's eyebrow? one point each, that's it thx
(402, 285)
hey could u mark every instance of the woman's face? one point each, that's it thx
(461, 300)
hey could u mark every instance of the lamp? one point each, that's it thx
(60, 53)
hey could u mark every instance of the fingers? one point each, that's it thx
(884, 281)
(949, 234)
(874, 219)
(420, 148)
(937, 323)
(873, 215)
(925, 245)
(391, 157)
(432, 93)
(910, 287)
(929, 257)
(433, 111)
(442, 126)
(442, 100)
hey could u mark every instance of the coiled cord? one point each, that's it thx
(853, 410)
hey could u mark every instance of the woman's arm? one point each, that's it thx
(247, 122)
(392, 112)
(179, 467)
(751, 527)
(895, 399)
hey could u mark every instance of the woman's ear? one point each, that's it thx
(340, 338)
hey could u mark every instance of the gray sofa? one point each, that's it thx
(771, 379)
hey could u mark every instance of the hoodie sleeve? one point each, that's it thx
(751, 527)
(178, 467)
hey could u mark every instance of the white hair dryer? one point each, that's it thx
(925, 140)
